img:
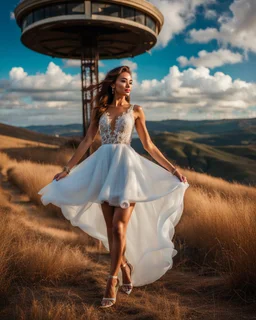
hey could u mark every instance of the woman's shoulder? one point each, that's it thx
(137, 108)
(138, 112)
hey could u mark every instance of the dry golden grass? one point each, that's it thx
(30, 177)
(7, 143)
(56, 271)
(224, 188)
(31, 257)
(222, 229)
(19, 150)
(43, 277)
(218, 218)
(6, 162)
(46, 309)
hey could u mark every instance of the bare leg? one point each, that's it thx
(108, 213)
(120, 223)
(117, 242)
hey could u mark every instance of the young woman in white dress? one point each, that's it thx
(159, 206)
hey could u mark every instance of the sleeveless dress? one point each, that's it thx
(116, 173)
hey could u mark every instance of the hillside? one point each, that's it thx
(205, 126)
(202, 127)
(224, 148)
(50, 267)
(203, 158)
(26, 134)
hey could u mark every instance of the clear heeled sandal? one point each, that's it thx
(112, 300)
(127, 287)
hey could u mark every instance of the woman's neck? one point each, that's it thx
(119, 102)
(113, 106)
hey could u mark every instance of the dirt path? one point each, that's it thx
(177, 295)
(16, 196)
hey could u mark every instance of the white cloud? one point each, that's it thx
(17, 74)
(212, 59)
(132, 65)
(203, 35)
(12, 16)
(178, 14)
(54, 79)
(210, 14)
(196, 94)
(54, 97)
(238, 30)
(67, 63)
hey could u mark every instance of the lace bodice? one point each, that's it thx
(123, 127)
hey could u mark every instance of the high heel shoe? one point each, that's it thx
(127, 287)
(113, 300)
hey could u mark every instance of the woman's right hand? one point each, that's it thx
(180, 176)
(60, 175)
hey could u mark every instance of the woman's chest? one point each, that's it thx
(119, 123)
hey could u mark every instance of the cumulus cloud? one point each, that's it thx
(212, 59)
(196, 94)
(237, 29)
(178, 14)
(72, 63)
(53, 80)
(54, 97)
(132, 65)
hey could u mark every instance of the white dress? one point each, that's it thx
(116, 173)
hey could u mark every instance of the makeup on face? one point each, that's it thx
(126, 82)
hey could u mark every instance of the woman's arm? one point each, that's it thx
(86, 142)
(149, 146)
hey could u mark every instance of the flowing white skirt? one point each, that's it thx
(116, 173)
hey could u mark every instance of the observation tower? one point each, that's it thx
(89, 31)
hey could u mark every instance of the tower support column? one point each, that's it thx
(89, 76)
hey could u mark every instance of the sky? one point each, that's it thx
(202, 68)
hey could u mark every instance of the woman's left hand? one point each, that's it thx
(180, 176)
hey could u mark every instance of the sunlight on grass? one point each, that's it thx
(39, 249)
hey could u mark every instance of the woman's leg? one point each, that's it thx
(116, 220)
(108, 213)
(120, 223)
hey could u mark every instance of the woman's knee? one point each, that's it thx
(118, 229)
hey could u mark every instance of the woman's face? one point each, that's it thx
(123, 84)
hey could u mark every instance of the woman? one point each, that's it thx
(123, 199)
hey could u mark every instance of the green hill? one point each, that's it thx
(203, 158)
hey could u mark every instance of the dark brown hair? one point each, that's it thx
(104, 96)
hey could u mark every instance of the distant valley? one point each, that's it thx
(221, 148)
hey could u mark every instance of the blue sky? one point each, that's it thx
(174, 81)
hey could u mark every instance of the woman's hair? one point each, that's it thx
(104, 95)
